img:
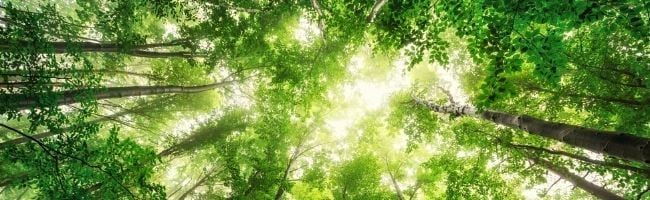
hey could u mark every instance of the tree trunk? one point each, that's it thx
(622, 145)
(642, 171)
(198, 184)
(397, 189)
(294, 156)
(7, 181)
(576, 180)
(70, 97)
(21, 140)
(375, 9)
(61, 47)
(17, 141)
(19, 75)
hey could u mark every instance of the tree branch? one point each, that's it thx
(642, 171)
(49, 151)
(446, 92)
(549, 187)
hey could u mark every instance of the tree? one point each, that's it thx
(622, 145)
(324, 99)
(577, 180)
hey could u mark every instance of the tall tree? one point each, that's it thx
(623, 145)
(73, 96)
(576, 180)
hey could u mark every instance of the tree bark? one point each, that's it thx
(618, 144)
(70, 97)
(137, 50)
(20, 75)
(576, 180)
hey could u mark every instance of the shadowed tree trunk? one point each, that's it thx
(156, 102)
(622, 145)
(398, 191)
(71, 96)
(196, 185)
(642, 171)
(136, 50)
(576, 180)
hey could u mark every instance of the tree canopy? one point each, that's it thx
(324, 99)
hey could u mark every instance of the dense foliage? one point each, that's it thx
(324, 99)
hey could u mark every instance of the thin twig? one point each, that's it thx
(550, 187)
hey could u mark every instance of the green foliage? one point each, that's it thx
(270, 134)
(471, 181)
(418, 123)
(359, 179)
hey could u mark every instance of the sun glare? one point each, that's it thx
(306, 30)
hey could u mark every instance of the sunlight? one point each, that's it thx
(171, 30)
(452, 84)
(318, 100)
(399, 142)
(306, 30)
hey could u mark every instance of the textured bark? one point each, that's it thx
(618, 144)
(70, 97)
(576, 180)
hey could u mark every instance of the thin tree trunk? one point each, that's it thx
(20, 75)
(551, 187)
(397, 189)
(144, 75)
(70, 97)
(415, 191)
(576, 180)
(280, 192)
(645, 172)
(21, 140)
(5, 182)
(23, 84)
(191, 190)
(622, 145)
(61, 47)
(375, 9)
